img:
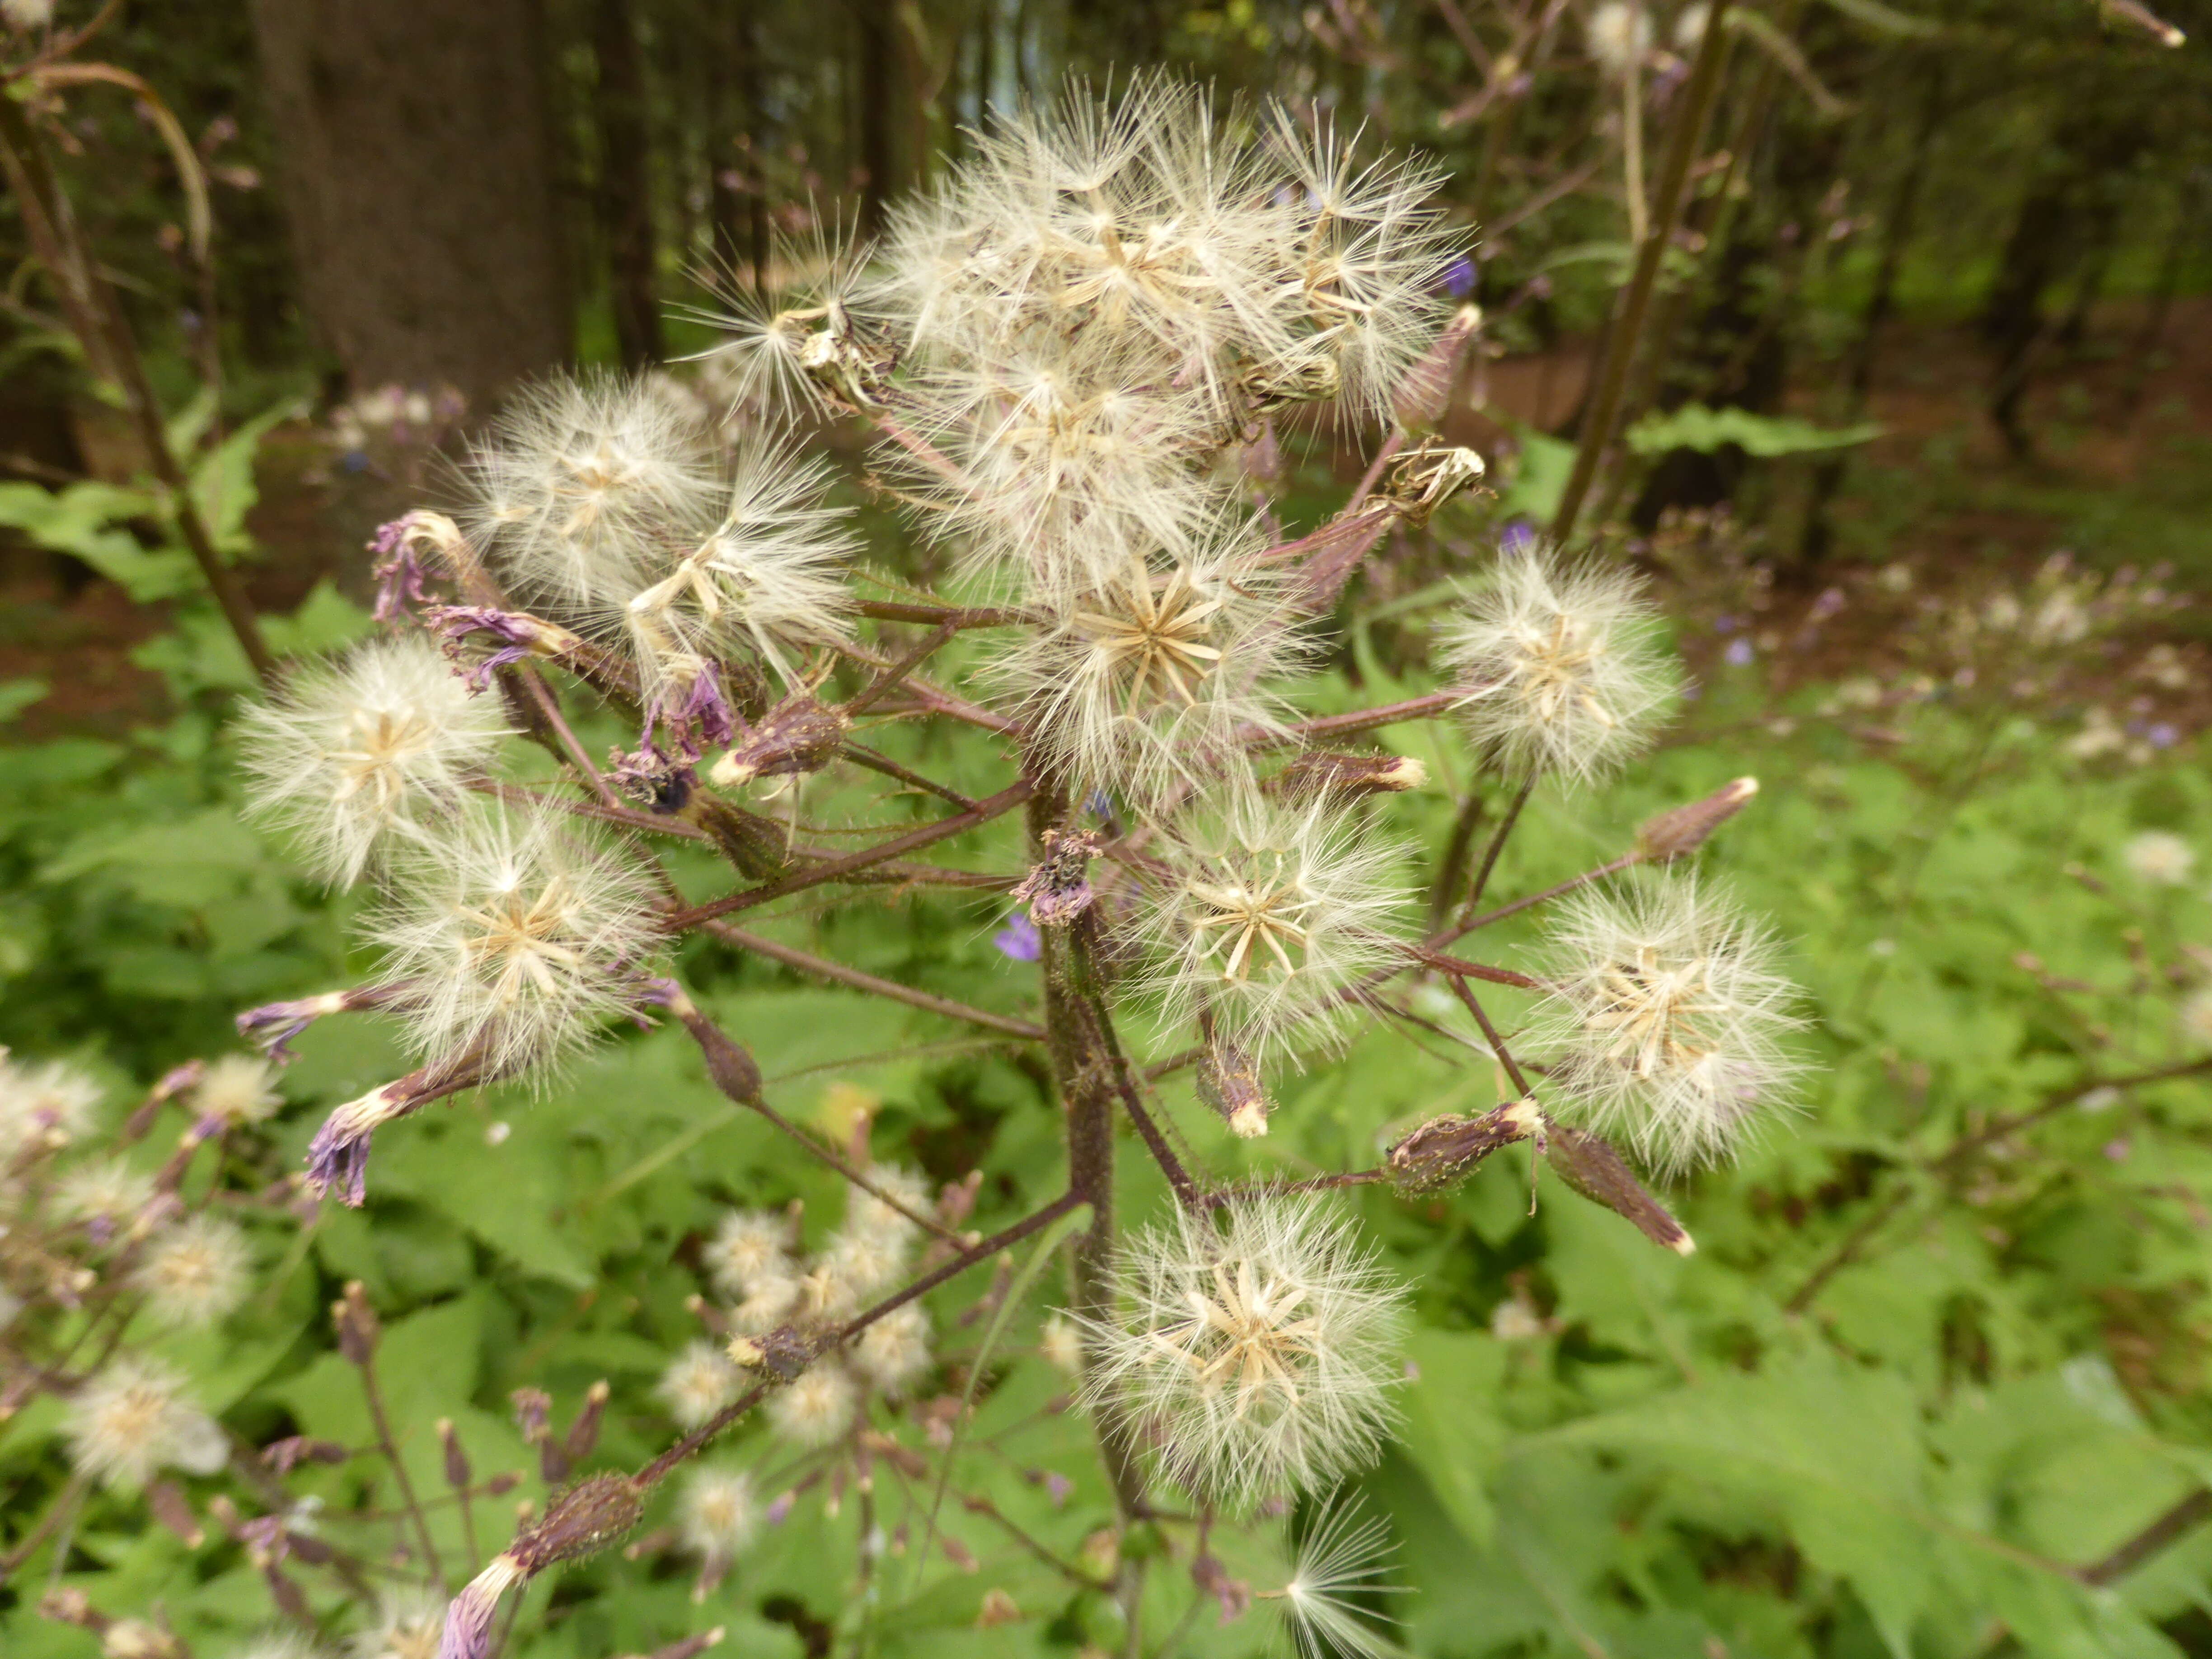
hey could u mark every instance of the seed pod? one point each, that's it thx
(533, 1411)
(799, 735)
(358, 1328)
(457, 1461)
(1588, 1164)
(782, 1353)
(584, 1432)
(1229, 1082)
(1684, 829)
(580, 1521)
(759, 847)
(1345, 777)
(1443, 1152)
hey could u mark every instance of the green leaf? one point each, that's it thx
(1695, 427)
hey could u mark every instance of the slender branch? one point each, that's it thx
(650, 823)
(890, 769)
(1453, 866)
(1391, 446)
(1497, 846)
(1614, 868)
(898, 671)
(823, 968)
(1696, 104)
(957, 615)
(1459, 967)
(1465, 992)
(958, 823)
(1328, 726)
(389, 1447)
(2167, 1529)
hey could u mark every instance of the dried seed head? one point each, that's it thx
(357, 757)
(816, 1407)
(797, 737)
(1618, 36)
(1263, 916)
(698, 1383)
(894, 1350)
(1445, 1150)
(1668, 1023)
(135, 1419)
(108, 1196)
(1229, 1082)
(2159, 859)
(749, 1246)
(1061, 1345)
(43, 1106)
(719, 1514)
(516, 937)
(1348, 777)
(407, 1626)
(194, 1274)
(1423, 479)
(1255, 1359)
(235, 1090)
(1557, 667)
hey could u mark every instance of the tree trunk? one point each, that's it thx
(416, 170)
(876, 23)
(625, 194)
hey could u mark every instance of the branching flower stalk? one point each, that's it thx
(1065, 351)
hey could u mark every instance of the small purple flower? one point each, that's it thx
(1724, 624)
(1517, 539)
(337, 1162)
(399, 572)
(457, 622)
(1461, 276)
(1739, 654)
(2163, 735)
(1019, 939)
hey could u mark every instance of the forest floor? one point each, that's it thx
(2122, 478)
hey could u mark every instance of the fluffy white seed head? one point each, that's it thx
(766, 578)
(1262, 915)
(107, 1194)
(238, 1090)
(407, 1626)
(516, 935)
(1557, 666)
(2194, 1018)
(1669, 1018)
(774, 350)
(1255, 1359)
(356, 756)
(749, 1246)
(815, 1408)
(894, 1350)
(1618, 36)
(866, 1213)
(1344, 1555)
(1061, 1345)
(135, 1420)
(45, 1106)
(579, 480)
(699, 1383)
(2161, 858)
(1143, 681)
(194, 1273)
(860, 1264)
(770, 1300)
(719, 1514)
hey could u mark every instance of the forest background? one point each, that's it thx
(1914, 431)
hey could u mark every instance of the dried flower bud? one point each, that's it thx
(1271, 386)
(337, 1157)
(468, 1618)
(358, 1327)
(580, 1522)
(759, 847)
(174, 1510)
(1057, 889)
(1444, 1150)
(457, 1461)
(998, 1608)
(1229, 1082)
(286, 1455)
(1348, 776)
(851, 369)
(1685, 828)
(533, 1412)
(552, 1462)
(1422, 480)
(584, 1432)
(1214, 1578)
(782, 1353)
(799, 735)
(728, 1065)
(1425, 390)
(1588, 1164)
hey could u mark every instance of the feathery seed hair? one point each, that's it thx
(373, 748)
(134, 1419)
(408, 1624)
(514, 934)
(1557, 665)
(1263, 916)
(816, 1407)
(1255, 1359)
(46, 1105)
(749, 1246)
(1344, 1553)
(235, 1090)
(2159, 858)
(1668, 1021)
(719, 1514)
(194, 1273)
(894, 1350)
(698, 1383)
